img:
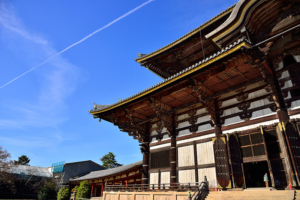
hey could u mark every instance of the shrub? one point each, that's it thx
(83, 191)
(47, 192)
(75, 188)
(63, 194)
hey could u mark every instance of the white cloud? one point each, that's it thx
(56, 81)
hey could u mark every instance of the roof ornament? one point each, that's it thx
(140, 55)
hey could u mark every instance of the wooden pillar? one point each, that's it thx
(146, 152)
(173, 161)
(196, 162)
(92, 190)
(145, 173)
(102, 190)
(283, 117)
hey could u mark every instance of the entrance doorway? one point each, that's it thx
(254, 174)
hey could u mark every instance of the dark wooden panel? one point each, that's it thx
(236, 161)
(160, 159)
(293, 140)
(221, 162)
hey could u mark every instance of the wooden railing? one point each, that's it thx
(201, 192)
(158, 187)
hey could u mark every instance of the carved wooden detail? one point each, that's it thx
(193, 120)
(267, 74)
(161, 110)
(204, 96)
(144, 148)
(159, 129)
(244, 106)
(242, 97)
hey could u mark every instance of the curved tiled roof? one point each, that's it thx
(107, 172)
(141, 56)
(242, 42)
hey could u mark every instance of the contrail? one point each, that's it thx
(83, 39)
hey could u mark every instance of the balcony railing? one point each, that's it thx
(156, 187)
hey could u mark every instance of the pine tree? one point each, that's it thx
(22, 160)
(109, 161)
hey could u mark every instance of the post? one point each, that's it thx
(101, 190)
(173, 155)
(145, 151)
(92, 190)
(173, 160)
(283, 117)
(145, 164)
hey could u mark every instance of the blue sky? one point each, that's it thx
(44, 114)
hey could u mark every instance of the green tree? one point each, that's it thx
(47, 192)
(22, 160)
(109, 161)
(63, 194)
(83, 191)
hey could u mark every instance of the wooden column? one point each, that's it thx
(173, 160)
(273, 86)
(102, 190)
(145, 174)
(92, 190)
(196, 162)
(146, 152)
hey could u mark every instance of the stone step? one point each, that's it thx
(254, 194)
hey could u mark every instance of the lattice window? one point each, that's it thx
(160, 159)
(252, 145)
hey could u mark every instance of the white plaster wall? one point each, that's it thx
(160, 146)
(153, 178)
(186, 156)
(205, 153)
(257, 93)
(186, 176)
(196, 138)
(165, 178)
(186, 115)
(249, 87)
(210, 173)
(231, 111)
(229, 102)
(285, 74)
(232, 120)
(280, 66)
(295, 105)
(287, 84)
(262, 113)
(297, 58)
(243, 128)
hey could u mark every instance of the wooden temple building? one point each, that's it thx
(229, 104)
(123, 175)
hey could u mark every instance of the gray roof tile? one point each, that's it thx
(107, 172)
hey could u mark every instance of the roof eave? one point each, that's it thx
(183, 38)
(176, 77)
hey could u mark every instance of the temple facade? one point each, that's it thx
(228, 106)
